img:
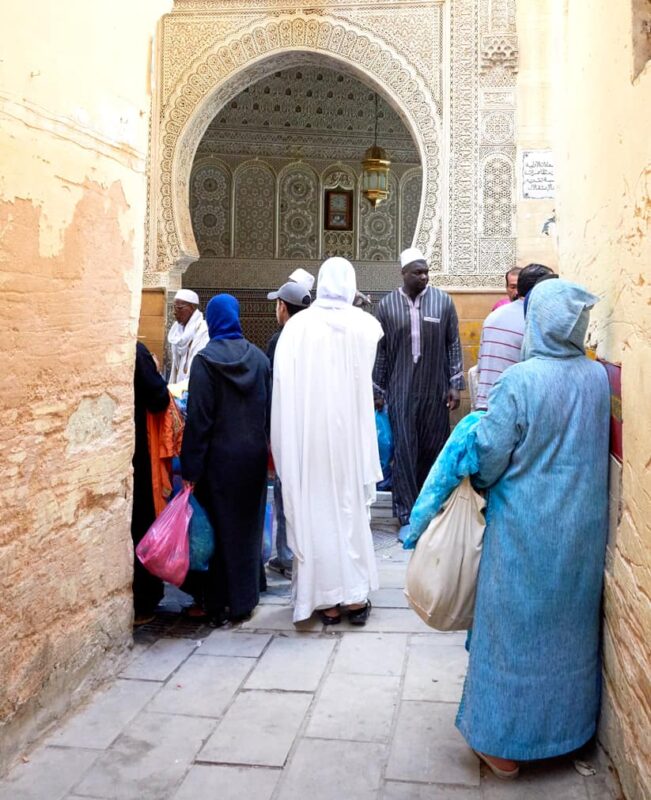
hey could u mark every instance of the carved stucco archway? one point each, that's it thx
(224, 69)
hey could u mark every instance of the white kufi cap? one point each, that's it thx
(410, 255)
(303, 277)
(187, 296)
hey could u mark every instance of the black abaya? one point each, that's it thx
(150, 394)
(225, 452)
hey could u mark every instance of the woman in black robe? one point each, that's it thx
(224, 453)
(150, 394)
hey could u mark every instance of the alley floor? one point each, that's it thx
(270, 711)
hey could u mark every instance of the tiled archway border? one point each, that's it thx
(224, 69)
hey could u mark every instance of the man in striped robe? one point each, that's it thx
(419, 372)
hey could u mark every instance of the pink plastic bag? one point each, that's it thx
(165, 549)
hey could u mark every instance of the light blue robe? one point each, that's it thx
(533, 684)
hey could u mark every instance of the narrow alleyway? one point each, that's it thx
(269, 712)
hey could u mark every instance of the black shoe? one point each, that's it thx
(235, 620)
(276, 565)
(218, 619)
(359, 616)
(327, 619)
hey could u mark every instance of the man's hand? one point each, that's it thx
(379, 403)
(188, 485)
(454, 398)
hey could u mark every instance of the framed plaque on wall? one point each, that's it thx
(338, 210)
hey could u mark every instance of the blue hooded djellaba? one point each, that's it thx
(533, 685)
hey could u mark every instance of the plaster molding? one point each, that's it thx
(223, 70)
(210, 50)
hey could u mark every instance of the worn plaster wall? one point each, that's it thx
(74, 105)
(603, 152)
(536, 121)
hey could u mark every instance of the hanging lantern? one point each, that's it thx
(375, 171)
(375, 175)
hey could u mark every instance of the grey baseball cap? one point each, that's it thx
(293, 293)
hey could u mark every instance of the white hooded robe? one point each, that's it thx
(324, 443)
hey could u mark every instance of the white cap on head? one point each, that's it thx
(410, 255)
(187, 296)
(303, 277)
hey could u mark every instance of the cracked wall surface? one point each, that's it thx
(73, 135)
(604, 223)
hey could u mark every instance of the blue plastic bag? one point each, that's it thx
(385, 446)
(202, 537)
(268, 534)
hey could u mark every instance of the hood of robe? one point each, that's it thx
(235, 359)
(556, 322)
(336, 285)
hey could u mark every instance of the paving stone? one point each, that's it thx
(390, 620)
(392, 575)
(160, 660)
(259, 728)
(203, 687)
(423, 791)
(234, 643)
(435, 672)
(371, 654)
(540, 781)
(103, 719)
(227, 783)
(355, 707)
(292, 663)
(50, 773)
(279, 618)
(389, 598)
(148, 760)
(599, 786)
(326, 770)
(274, 598)
(427, 748)
(394, 555)
(449, 638)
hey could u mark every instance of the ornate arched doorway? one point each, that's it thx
(223, 70)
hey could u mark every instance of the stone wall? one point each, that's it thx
(604, 225)
(74, 103)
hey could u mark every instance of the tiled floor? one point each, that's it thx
(269, 712)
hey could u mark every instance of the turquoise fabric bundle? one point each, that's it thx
(202, 538)
(457, 460)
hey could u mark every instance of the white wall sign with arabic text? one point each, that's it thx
(538, 175)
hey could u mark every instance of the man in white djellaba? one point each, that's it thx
(324, 444)
(187, 336)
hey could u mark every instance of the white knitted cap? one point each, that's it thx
(410, 255)
(187, 296)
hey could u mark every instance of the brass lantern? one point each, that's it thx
(375, 171)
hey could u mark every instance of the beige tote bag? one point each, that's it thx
(442, 572)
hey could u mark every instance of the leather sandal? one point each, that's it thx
(359, 616)
(326, 619)
(502, 774)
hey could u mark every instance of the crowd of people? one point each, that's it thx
(532, 689)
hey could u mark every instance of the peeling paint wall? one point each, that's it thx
(603, 153)
(74, 106)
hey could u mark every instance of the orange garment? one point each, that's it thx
(165, 434)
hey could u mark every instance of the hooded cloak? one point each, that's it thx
(324, 443)
(533, 684)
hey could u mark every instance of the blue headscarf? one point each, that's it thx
(223, 318)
